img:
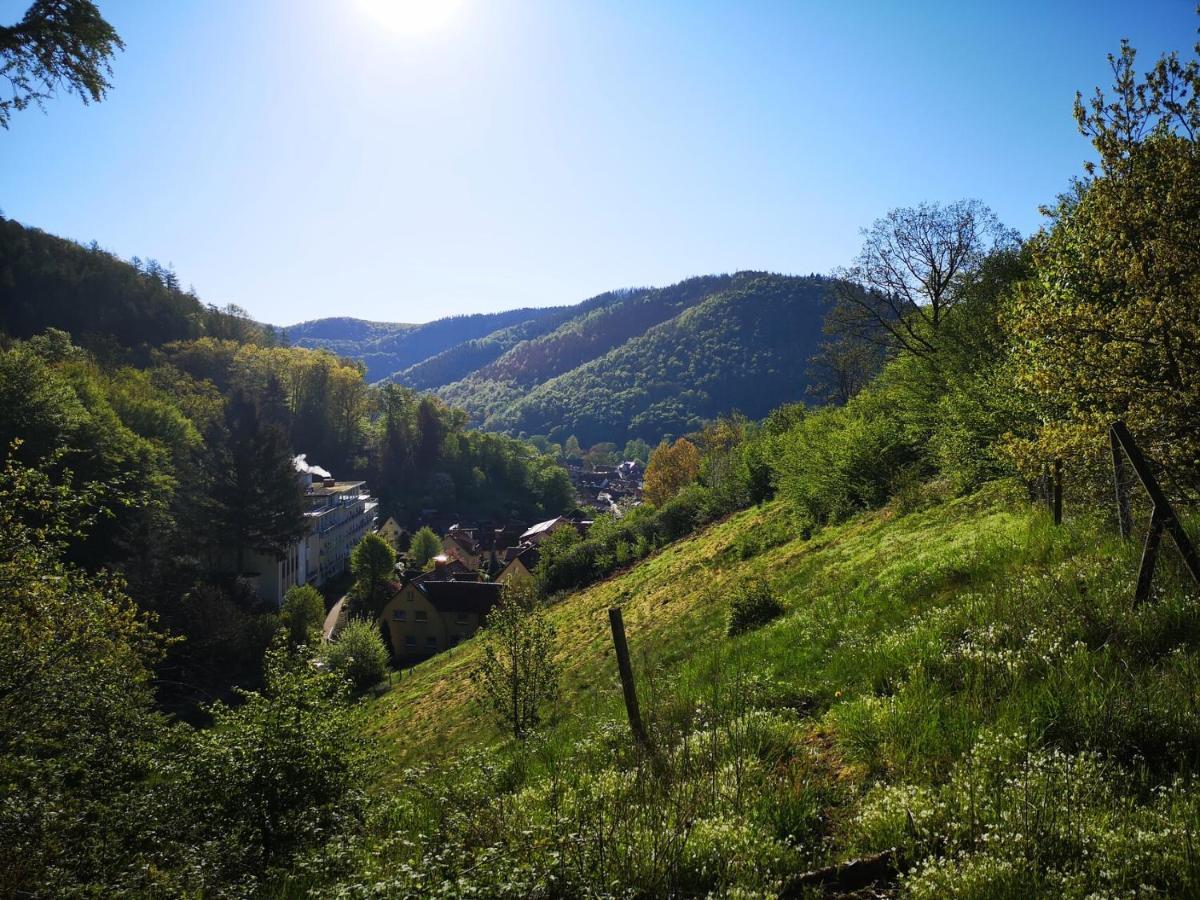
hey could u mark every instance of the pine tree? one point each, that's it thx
(256, 501)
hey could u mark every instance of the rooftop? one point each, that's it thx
(541, 527)
(320, 489)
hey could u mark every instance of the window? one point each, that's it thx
(410, 640)
(431, 642)
(421, 615)
(399, 615)
(462, 619)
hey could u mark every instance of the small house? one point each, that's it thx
(429, 615)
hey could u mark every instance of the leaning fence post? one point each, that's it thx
(627, 685)
(1058, 492)
(1162, 517)
(1120, 487)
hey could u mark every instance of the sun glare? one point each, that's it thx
(411, 17)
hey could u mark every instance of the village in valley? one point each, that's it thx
(438, 602)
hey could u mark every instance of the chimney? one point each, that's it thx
(329, 482)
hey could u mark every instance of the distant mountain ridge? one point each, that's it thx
(387, 347)
(630, 363)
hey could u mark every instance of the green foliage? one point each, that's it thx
(77, 725)
(398, 350)
(303, 614)
(517, 674)
(108, 305)
(754, 604)
(672, 467)
(424, 547)
(841, 460)
(567, 562)
(1109, 325)
(422, 456)
(734, 342)
(256, 500)
(359, 654)
(274, 777)
(373, 562)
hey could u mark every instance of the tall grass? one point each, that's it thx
(957, 678)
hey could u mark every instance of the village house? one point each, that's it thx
(432, 613)
(460, 544)
(519, 568)
(542, 530)
(391, 531)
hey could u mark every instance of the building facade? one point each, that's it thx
(338, 514)
(431, 614)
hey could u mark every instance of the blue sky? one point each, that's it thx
(308, 158)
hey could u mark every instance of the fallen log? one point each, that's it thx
(845, 877)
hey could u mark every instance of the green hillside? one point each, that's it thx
(628, 363)
(746, 347)
(109, 305)
(964, 682)
(655, 362)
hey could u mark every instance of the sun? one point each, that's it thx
(411, 17)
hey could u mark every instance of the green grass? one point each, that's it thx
(942, 680)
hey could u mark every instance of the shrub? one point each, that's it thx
(425, 546)
(840, 461)
(359, 654)
(518, 675)
(754, 605)
(303, 614)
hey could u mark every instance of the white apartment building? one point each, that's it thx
(339, 515)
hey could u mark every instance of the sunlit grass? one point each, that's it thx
(910, 642)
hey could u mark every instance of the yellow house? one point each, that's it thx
(390, 532)
(461, 546)
(520, 567)
(429, 615)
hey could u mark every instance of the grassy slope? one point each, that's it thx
(963, 681)
(675, 606)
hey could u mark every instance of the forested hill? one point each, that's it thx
(631, 363)
(386, 348)
(107, 304)
(745, 348)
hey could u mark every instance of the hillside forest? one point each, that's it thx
(858, 633)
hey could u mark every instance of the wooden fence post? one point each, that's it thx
(1162, 517)
(627, 684)
(1058, 492)
(1120, 488)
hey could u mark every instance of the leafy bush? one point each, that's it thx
(274, 778)
(303, 614)
(359, 654)
(754, 605)
(839, 461)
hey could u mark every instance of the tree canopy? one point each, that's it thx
(58, 44)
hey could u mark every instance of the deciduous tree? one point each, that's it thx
(1109, 326)
(373, 562)
(424, 547)
(671, 468)
(911, 269)
(303, 614)
(518, 675)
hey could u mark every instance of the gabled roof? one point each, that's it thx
(461, 596)
(462, 540)
(542, 527)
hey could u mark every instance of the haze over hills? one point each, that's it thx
(387, 347)
(637, 362)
